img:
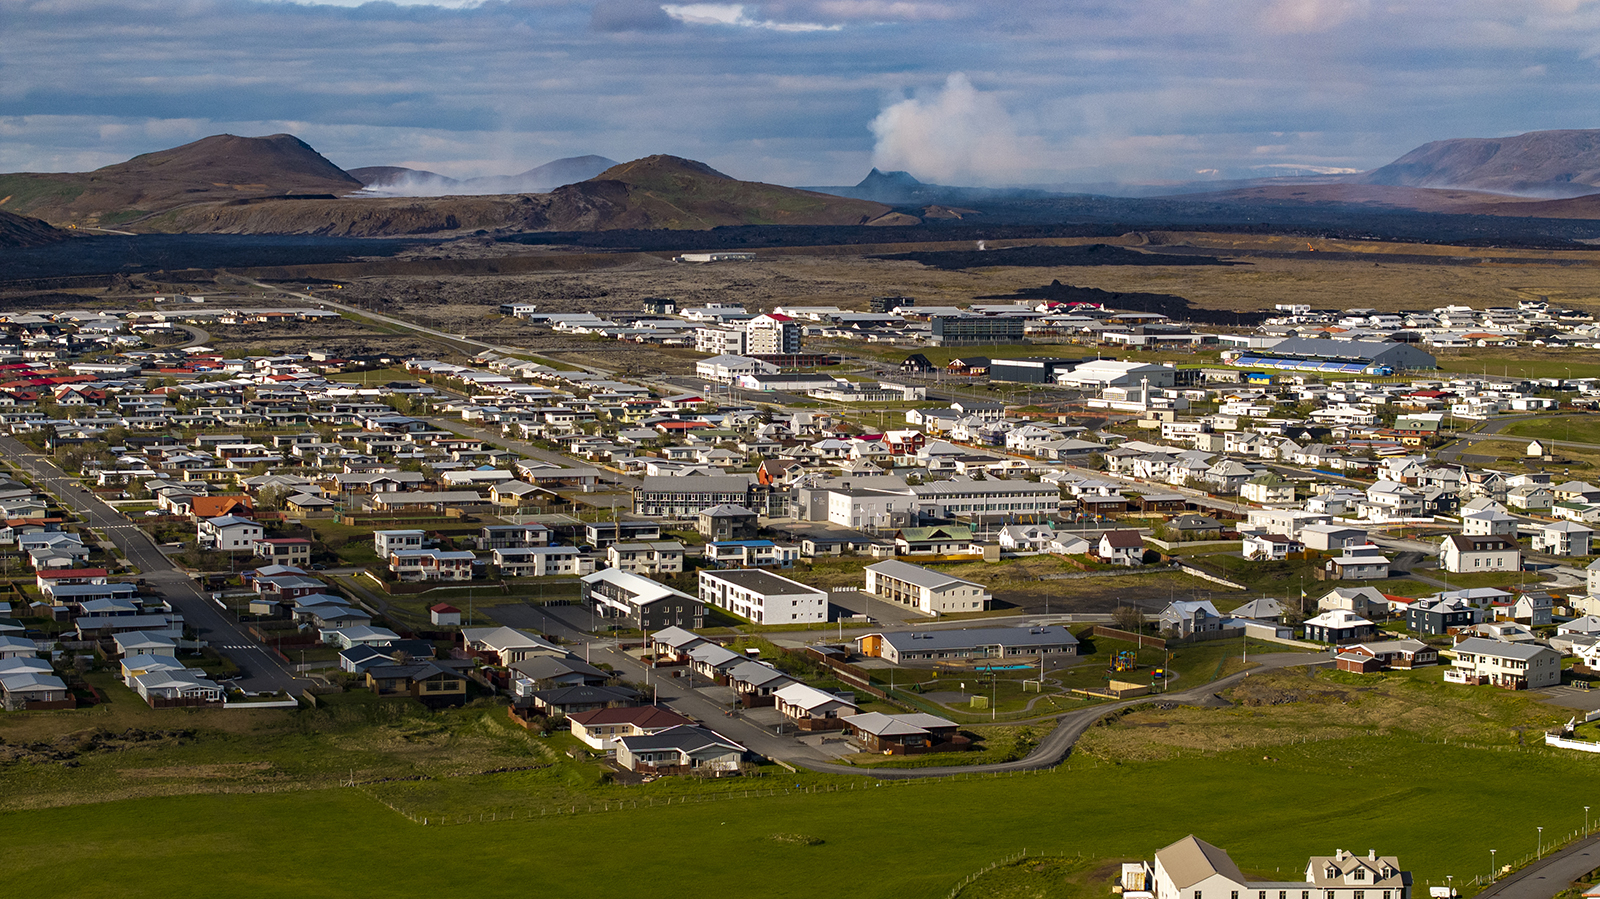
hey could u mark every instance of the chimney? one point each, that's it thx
(1372, 855)
(1338, 855)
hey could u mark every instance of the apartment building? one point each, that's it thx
(763, 597)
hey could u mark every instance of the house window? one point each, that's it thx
(1360, 894)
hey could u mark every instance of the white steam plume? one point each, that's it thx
(959, 136)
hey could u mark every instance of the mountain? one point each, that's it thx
(542, 178)
(903, 189)
(386, 175)
(215, 167)
(391, 180)
(1552, 164)
(649, 193)
(22, 231)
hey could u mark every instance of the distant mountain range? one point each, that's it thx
(280, 185)
(388, 180)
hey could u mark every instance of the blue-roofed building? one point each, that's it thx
(751, 554)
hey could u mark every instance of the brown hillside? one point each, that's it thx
(655, 192)
(1539, 163)
(223, 165)
(22, 231)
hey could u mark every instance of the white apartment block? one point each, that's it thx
(763, 597)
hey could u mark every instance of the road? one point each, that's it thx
(1545, 879)
(456, 340)
(260, 670)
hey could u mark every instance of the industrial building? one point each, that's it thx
(1333, 356)
(959, 330)
(1030, 369)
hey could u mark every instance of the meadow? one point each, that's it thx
(1298, 765)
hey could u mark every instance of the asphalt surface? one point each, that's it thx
(1546, 878)
(260, 670)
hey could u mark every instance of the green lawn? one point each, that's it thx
(1532, 362)
(1269, 814)
(1583, 428)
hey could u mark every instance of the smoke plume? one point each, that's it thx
(960, 135)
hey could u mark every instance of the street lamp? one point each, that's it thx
(1492, 868)
(1586, 820)
(1541, 843)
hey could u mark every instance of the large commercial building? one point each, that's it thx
(1335, 356)
(973, 330)
(1099, 374)
(1030, 369)
(763, 597)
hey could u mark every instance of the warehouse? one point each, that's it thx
(1354, 357)
(1030, 369)
(957, 330)
(1102, 373)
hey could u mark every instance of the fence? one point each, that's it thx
(1187, 568)
(1112, 633)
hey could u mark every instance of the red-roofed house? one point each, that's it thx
(71, 576)
(1121, 548)
(602, 728)
(444, 615)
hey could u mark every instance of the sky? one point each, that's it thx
(800, 92)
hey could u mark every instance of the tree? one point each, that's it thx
(1128, 618)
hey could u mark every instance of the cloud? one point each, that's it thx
(959, 135)
(734, 14)
(616, 16)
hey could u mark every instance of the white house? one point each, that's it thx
(228, 533)
(1515, 666)
(1460, 553)
(1563, 538)
(763, 597)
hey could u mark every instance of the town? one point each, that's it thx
(823, 550)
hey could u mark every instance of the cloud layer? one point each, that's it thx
(799, 91)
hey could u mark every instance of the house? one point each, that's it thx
(810, 709)
(1267, 489)
(1366, 602)
(1434, 616)
(1563, 538)
(636, 601)
(658, 557)
(1270, 547)
(30, 689)
(923, 589)
(727, 521)
(562, 701)
(1330, 537)
(754, 682)
(430, 683)
(386, 542)
(549, 672)
(602, 728)
(541, 561)
(505, 646)
(944, 540)
(1514, 666)
(228, 533)
(177, 688)
(1534, 608)
(1460, 553)
(444, 615)
(762, 597)
(1264, 609)
(908, 734)
(1025, 537)
(1187, 617)
(1339, 627)
(686, 749)
(1404, 653)
(1120, 548)
(1194, 869)
(1358, 563)
(285, 550)
(412, 565)
(751, 554)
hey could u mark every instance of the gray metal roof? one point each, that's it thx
(966, 638)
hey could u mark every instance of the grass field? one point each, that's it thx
(890, 840)
(1530, 362)
(1581, 428)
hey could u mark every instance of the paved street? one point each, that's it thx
(260, 670)
(1544, 879)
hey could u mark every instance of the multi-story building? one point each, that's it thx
(763, 597)
(966, 498)
(1515, 666)
(431, 564)
(636, 601)
(771, 335)
(654, 557)
(1459, 553)
(541, 561)
(924, 590)
(685, 497)
(386, 542)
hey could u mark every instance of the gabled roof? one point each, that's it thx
(1191, 860)
(644, 716)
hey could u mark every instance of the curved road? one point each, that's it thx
(1549, 877)
(1072, 725)
(260, 670)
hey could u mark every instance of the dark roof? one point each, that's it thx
(418, 671)
(639, 716)
(1123, 539)
(576, 695)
